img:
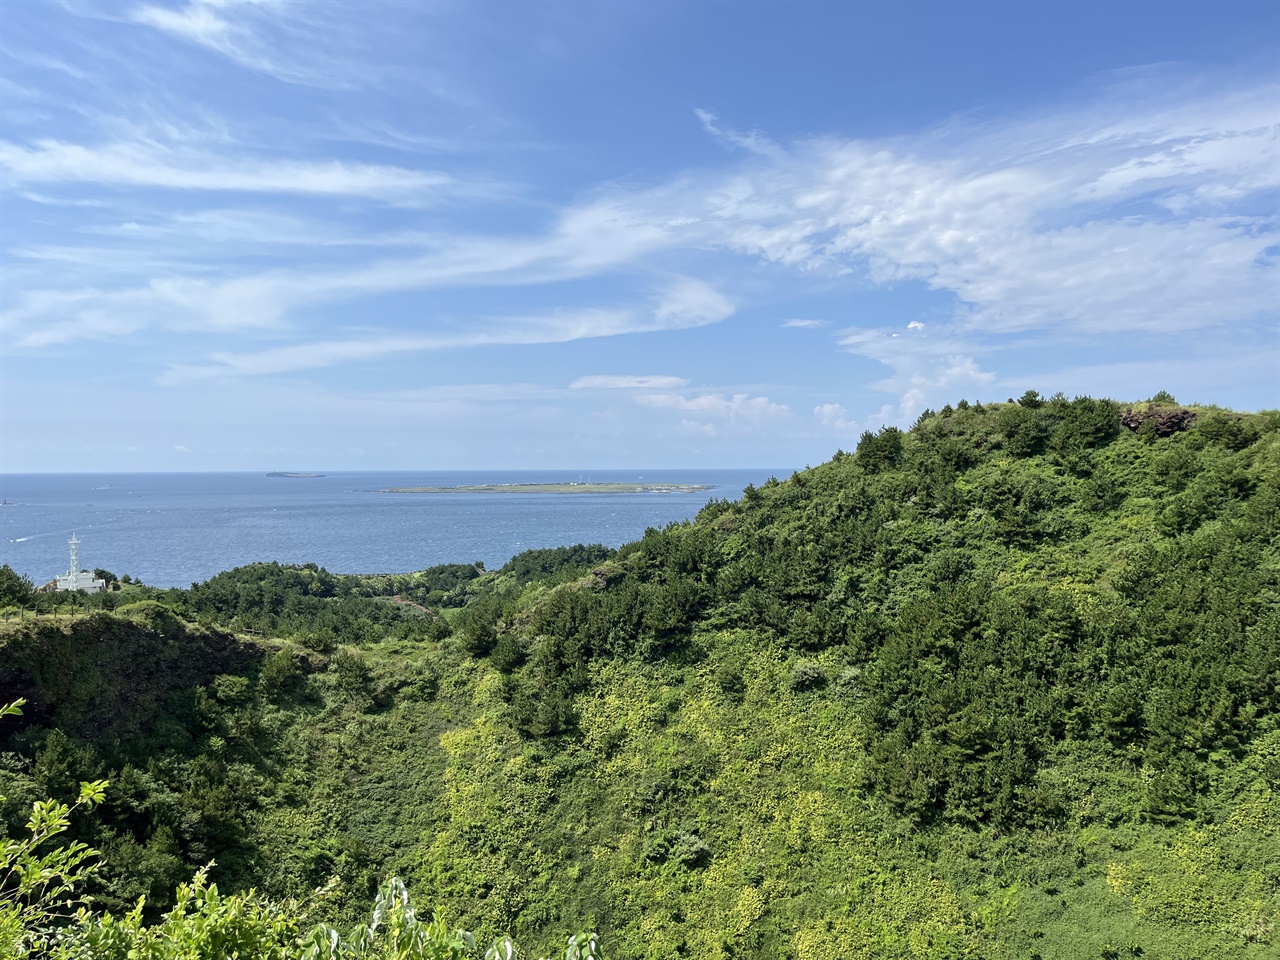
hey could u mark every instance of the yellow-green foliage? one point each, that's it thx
(40, 883)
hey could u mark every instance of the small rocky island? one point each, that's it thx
(558, 488)
(293, 476)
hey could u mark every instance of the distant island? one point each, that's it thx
(558, 488)
(293, 476)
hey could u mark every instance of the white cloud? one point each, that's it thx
(272, 37)
(738, 405)
(41, 61)
(583, 242)
(922, 367)
(59, 201)
(326, 353)
(834, 416)
(1035, 223)
(149, 164)
(838, 420)
(680, 306)
(200, 21)
(753, 142)
(962, 371)
(587, 240)
(454, 394)
(696, 428)
(692, 303)
(612, 382)
(806, 324)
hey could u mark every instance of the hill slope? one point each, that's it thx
(1004, 685)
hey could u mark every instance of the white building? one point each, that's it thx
(75, 578)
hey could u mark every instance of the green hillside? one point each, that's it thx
(1002, 686)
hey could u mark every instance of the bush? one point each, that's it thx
(281, 675)
(39, 882)
(807, 675)
(352, 670)
(690, 851)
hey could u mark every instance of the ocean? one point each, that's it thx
(175, 529)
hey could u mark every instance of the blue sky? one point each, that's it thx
(400, 235)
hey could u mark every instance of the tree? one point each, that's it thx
(880, 451)
(15, 589)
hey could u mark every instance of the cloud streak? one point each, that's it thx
(148, 164)
(615, 382)
(752, 142)
(266, 36)
(682, 305)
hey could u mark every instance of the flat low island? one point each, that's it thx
(558, 488)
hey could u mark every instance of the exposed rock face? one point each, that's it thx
(1165, 420)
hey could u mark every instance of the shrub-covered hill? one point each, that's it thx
(1004, 685)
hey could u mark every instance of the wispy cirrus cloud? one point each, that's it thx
(149, 164)
(41, 61)
(623, 382)
(267, 36)
(583, 242)
(418, 48)
(752, 142)
(216, 25)
(682, 305)
(453, 394)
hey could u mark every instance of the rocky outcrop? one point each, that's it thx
(1165, 421)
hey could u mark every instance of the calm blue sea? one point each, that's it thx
(174, 529)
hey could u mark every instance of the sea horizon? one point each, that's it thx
(175, 528)
(373, 470)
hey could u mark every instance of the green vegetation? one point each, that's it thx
(15, 590)
(558, 488)
(41, 883)
(1005, 685)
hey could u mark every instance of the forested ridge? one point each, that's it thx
(1001, 686)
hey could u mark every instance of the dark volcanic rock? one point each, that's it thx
(1165, 420)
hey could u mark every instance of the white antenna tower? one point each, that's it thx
(74, 573)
